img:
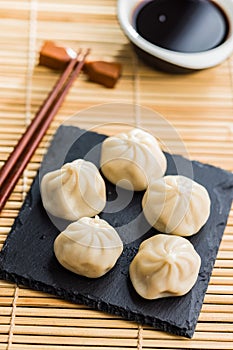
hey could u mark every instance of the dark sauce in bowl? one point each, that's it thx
(181, 25)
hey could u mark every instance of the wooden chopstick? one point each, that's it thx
(22, 153)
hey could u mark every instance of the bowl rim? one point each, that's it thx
(195, 60)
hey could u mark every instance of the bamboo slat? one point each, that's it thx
(197, 106)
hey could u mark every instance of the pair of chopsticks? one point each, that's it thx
(22, 153)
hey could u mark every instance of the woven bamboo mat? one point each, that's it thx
(199, 106)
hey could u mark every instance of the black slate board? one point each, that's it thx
(27, 256)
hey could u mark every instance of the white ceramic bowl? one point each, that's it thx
(173, 61)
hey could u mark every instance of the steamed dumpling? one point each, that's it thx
(164, 266)
(132, 158)
(74, 191)
(176, 204)
(89, 247)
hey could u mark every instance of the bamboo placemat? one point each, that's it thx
(199, 106)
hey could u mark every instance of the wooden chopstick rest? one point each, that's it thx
(103, 72)
(54, 56)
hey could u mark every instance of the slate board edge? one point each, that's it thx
(93, 303)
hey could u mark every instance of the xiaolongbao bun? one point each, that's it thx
(89, 247)
(132, 158)
(176, 204)
(74, 191)
(164, 266)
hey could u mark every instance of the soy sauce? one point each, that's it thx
(181, 25)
